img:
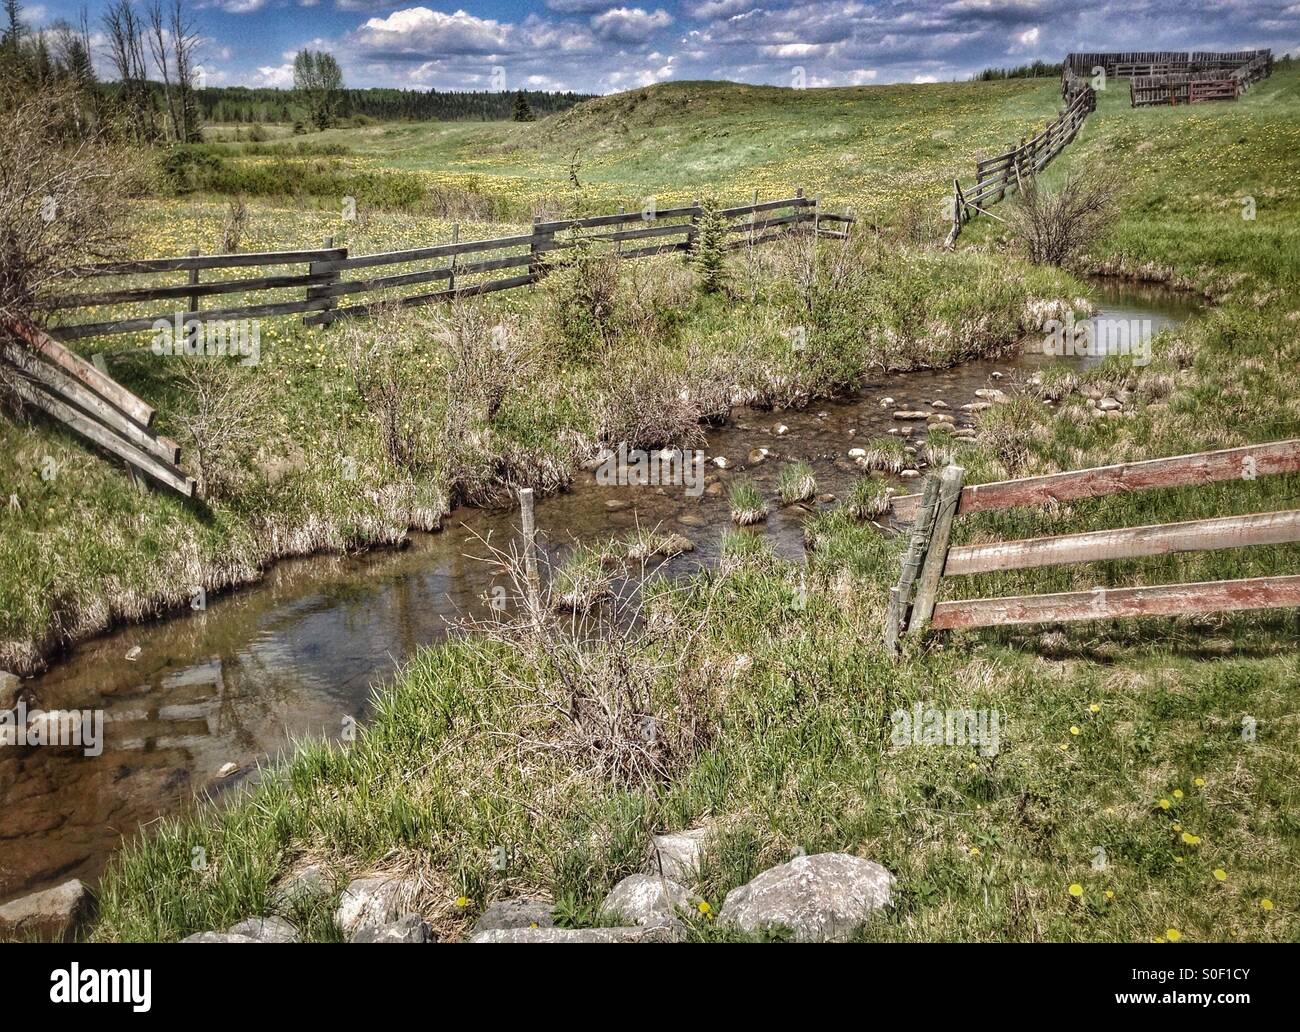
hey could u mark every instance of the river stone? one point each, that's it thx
(1109, 405)
(411, 928)
(219, 937)
(820, 898)
(645, 899)
(312, 882)
(376, 900)
(515, 913)
(680, 854)
(265, 929)
(655, 933)
(909, 414)
(52, 914)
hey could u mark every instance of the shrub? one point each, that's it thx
(1055, 225)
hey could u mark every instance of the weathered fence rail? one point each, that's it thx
(929, 557)
(319, 278)
(1004, 173)
(49, 377)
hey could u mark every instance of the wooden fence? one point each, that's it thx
(312, 282)
(49, 377)
(1165, 77)
(913, 604)
(997, 176)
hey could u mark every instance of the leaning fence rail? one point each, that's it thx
(914, 608)
(314, 283)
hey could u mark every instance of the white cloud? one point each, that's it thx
(630, 24)
(280, 77)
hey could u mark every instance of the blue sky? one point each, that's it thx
(600, 47)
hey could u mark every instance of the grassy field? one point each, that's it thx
(1123, 738)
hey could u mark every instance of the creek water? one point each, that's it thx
(300, 653)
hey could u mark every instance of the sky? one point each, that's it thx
(598, 46)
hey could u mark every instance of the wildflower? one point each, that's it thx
(705, 909)
(1074, 729)
(1190, 839)
(462, 902)
(1220, 874)
(1198, 782)
(974, 850)
(1173, 934)
(1110, 894)
(1177, 826)
(1178, 793)
(1164, 804)
(1265, 904)
(1076, 890)
(1094, 708)
(1178, 859)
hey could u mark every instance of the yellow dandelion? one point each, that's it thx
(1190, 839)
(1173, 934)
(1177, 826)
(1094, 708)
(1178, 859)
(1076, 890)
(462, 902)
(1220, 874)
(1164, 804)
(974, 850)
(1074, 729)
(1110, 894)
(1266, 904)
(1198, 782)
(1178, 793)
(1064, 747)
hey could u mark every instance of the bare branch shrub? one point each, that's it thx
(1055, 225)
(616, 687)
(221, 414)
(62, 198)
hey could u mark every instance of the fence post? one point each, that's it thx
(535, 267)
(753, 218)
(918, 544)
(314, 293)
(951, 481)
(1006, 171)
(455, 239)
(193, 299)
(528, 526)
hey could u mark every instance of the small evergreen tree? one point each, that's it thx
(709, 249)
(522, 112)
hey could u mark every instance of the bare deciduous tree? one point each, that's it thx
(1055, 225)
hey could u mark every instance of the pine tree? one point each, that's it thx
(522, 112)
(709, 250)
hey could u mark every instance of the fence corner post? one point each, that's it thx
(951, 481)
(535, 266)
(918, 543)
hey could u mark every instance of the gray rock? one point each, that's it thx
(8, 690)
(411, 928)
(51, 914)
(644, 899)
(679, 855)
(656, 933)
(819, 898)
(218, 937)
(377, 900)
(515, 913)
(265, 929)
(311, 882)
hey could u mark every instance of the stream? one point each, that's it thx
(300, 653)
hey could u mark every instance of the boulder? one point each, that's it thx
(410, 928)
(377, 900)
(515, 913)
(219, 937)
(820, 898)
(645, 899)
(52, 914)
(265, 929)
(8, 690)
(680, 855)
